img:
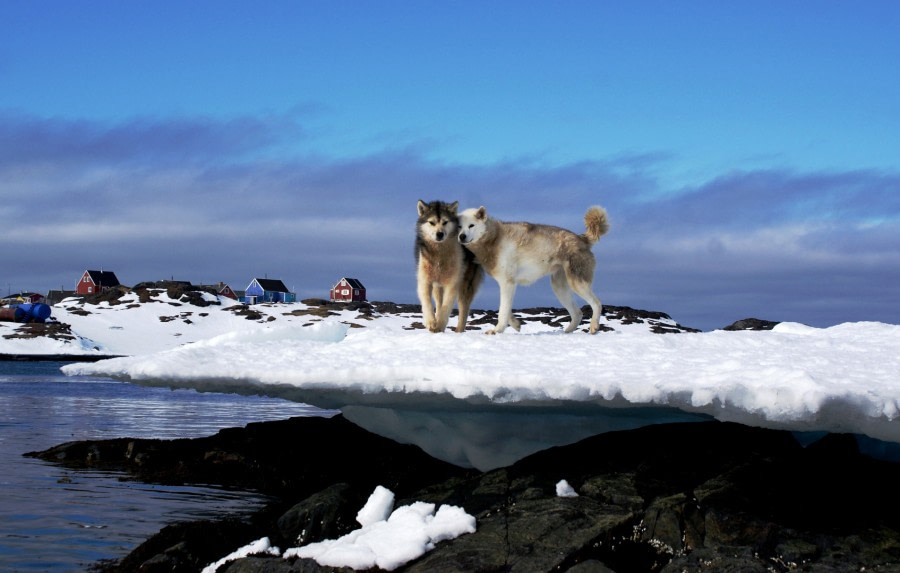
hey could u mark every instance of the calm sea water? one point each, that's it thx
(54, 519)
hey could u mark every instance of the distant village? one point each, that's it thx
(260, 290)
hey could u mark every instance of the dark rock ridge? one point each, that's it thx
(51, 329)
(752, 324)
(659, 322)
(706, 496)
(318, 308)
(284, 458)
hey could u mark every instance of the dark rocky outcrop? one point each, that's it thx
(246, 311)
(705, 496)
(182, 291)
(294, 458)
(751, 324)
(51, 329)
(109, 295)
(658, 322)
(178, 290)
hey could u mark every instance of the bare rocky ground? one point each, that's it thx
(693, 497)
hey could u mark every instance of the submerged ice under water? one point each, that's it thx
(54, 519)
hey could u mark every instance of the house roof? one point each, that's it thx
(272, 285)
(354, 283)
(21, 295)
(104, 278)
(55, 292)
(219, 286)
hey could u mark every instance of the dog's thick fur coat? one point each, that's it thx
(445, 270)
(521, 253)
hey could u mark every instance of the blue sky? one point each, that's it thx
(748, 153)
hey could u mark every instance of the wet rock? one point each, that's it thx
(328, 514)
(276, 565)
(706, 496)
(189, 546)
(293, 458)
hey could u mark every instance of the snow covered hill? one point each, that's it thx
(150, 320)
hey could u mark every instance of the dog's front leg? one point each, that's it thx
(507, 292)
(439, 294)
(444, 306)
(427, 307)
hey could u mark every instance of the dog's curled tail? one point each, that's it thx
(596, 224)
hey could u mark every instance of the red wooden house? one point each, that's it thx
(348, 290)
(223, 289)
(92, 282)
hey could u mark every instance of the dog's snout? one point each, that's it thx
(440, 236)
(462, 237)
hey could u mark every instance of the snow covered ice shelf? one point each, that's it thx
(844, 378)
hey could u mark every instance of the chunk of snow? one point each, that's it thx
(260, 546)
(563, 489)
(406, 534)
(377, 508)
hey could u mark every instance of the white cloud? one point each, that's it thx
(134, 195)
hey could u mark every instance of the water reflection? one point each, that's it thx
(492, 438)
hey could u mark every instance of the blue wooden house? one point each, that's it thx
(267, 290)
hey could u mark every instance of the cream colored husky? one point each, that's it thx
(521, 253)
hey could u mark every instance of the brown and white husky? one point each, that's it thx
(445, 270)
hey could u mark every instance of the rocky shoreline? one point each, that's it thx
(705, 496)
(54, 357)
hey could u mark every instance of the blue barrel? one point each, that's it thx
(32, 312)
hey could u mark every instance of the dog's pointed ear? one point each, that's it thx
(421, 207)
(481, 213)
(453, 206)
